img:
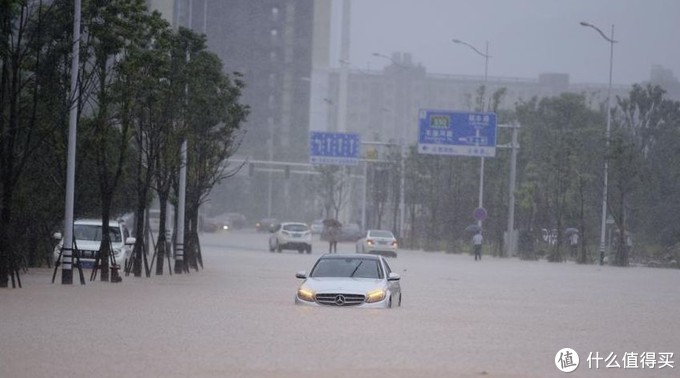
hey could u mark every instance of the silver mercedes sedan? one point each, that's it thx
(350, 280)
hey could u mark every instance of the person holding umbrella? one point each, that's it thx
(333, 229)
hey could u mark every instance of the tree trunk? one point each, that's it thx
(5, 249)
(162, 244)
(105, 252)
(144, 176)
(621, 257)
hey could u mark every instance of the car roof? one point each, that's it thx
(287, 223)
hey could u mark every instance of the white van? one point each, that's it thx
(88, 237)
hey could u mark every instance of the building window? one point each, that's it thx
(275, 13)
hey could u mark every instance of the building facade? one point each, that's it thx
(383, 105)
(272, 43)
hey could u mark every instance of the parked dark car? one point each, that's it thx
(235, 220)
(266, 224)
(224, 222)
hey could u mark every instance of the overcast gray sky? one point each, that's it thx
(526, 37)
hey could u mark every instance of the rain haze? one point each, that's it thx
(249, 199)
(526, 37)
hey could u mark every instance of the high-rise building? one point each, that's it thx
(272, 43)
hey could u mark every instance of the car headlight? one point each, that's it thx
(375, 296)
(369, 242)
(305, 294)
(395, 245)
(225, 227)
(117, 252)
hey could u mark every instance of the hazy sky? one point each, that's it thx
(526, 37)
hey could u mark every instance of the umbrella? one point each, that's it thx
(330, 222)
(474, 228)
(571, 230)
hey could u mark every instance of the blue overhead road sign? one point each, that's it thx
(334, 148)
(442, 132)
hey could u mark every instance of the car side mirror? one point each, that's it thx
(393, 277)
(130, 240)
(301, 275)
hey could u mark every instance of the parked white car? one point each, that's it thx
(381, 242)
(88, 238)
(291, 235)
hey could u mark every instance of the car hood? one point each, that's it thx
(343, 285)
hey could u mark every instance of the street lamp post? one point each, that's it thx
(402, 153)
(603, 225)
(486, 57)
(67, 245)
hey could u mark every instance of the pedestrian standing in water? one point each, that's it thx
(477, 245)
(333, 232)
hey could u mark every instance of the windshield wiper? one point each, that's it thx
(355, 269)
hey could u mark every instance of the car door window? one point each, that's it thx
(388, 270)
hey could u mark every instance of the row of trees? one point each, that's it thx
(144, 88)
(559, 180)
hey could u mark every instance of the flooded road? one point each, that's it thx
(236, 318)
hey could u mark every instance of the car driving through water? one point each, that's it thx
(354, 280)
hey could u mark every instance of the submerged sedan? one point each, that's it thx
(349, 280)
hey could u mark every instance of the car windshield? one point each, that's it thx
(295, 227)
(381, 234)
(92, 232)
(347, 267)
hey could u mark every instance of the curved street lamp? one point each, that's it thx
(485, 54)
(402, 152)
(379, 55)
(486, 57)
(603, 225)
